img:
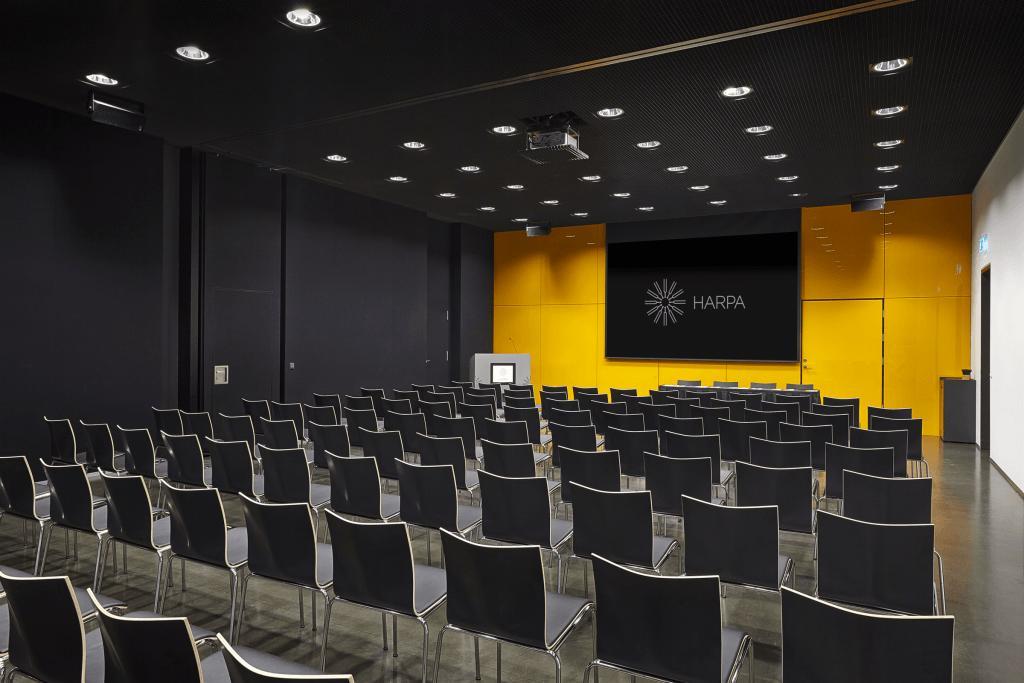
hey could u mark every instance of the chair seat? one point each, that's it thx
(162, 531)
(731, 642)
(478, 452)
(216, 671)
(431, 585)
(468, 517)
(43, 507)
(545, 439)
(324, 564)
(42, 487)
(783, 562)
(257, 484)
(390, 505)
(725, 475)
(237, 546)
(319, 494)
(561, 529)
(661, 549)
(562, 611)
(553, 484)
(99, 517)
(472, 479)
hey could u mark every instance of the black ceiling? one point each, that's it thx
(383, 72)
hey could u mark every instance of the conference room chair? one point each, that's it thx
(499, 593)
(600, 470)
(670, 478)
(633, 402)
(505, 431)
(440, 408)
(71, 508)
(791, 408)
(478, 412)
(483, 397)
(659, 397)
(804, 399)
(576, 391)
(200, 533)
(64, 442)
(233, 469)
(821, 641)
(449, 450)
(816, 435)
(198, 423)
(826, 409)
(751, 399)
(853, 402)
(572, 418)
(563, 404)
(236, 428)
(328, 438)
(619, 526)
(168, 420)
(494, 389)
(698, 446)
(617, 394)
(410, 426)
(768, 453)
(358, 421)
(840, 425)
(736, 435)
(704, 396)
(763, 385)
(672, 389)
(514, 460)
(914, 427)
(463, 383)
(140, 454)
(800, 387)
(412, 397)
(580, 438)
(421, 389)
(663, 627)
(531, 417)
(290, 411)
(790, 489)
(693, 426)
(367, 402)
(457, 391)
(546, 397)
(897, 439)
(448, 398)
(552, 389)
(356, 491)
(133, 522)
(286, 479)
(586, 400)
(889, 567)
(278, 434)
(329, 400)
(654, 412)
(634, 421)
(599, 410)
(376, 396)
(875, 461)
(100, 450)
(631, 446)
(519, 402)
(515, 391)
(884, 500)
(739, 544)
(374, 568)
(256, 410)
(892, 413)
(185, 462)
(690, 382)
(517, 510)
(430, 500)
(711, 417)
(283, 547)
(324, 415)
(521, 387)
(772, 418)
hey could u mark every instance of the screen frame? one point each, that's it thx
(799, 310)
(503, 365)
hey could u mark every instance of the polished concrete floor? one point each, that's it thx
(979, 530)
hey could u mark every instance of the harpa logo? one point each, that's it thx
(666, 300)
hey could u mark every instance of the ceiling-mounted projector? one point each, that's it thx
(553, 137)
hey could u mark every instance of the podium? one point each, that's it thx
(500, 368)
(958, 409)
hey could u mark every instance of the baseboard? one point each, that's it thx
(1006, 477)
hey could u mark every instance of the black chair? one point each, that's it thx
(328, 438)
(703, 395)
(823, 641)
(617, 394)
(518, 402)
(513, 460)
(633, 421)
(693, 426)
(735, 437)
(763, 385)
(791, 408)
(457, 391)
(498, 593)
(654, 412)
(392, 405)
(185, 463)
(503, 431)
(410, 426)
(753, 400)
(564, 390)
(891, 413)
(766, 453)
(479, 412)
(487, 397)
(587, 401)
(570, 418)
(546, 397)
(804, 399)
(897, 439)
(100, 449)
(828, 409)
(355, 489)
(430, 500)
(711, 417)
(331, 401)
(816, 435)
(881, 566)
(875, 461)
(440, 408)
(198, 423)
(256, 410)
(376, 397)
(690, 383)
(140, 454)
(739, 544)
(631, 446)
(463, 427)
(374, 567)
(200, 533)
(799, 387)
(594, 469)
(670, 478)
(71, 508)
(168, 420)
(736, 407)
(718, 384)
(447, 398)
(449, 450)
(693, 446)
(413, 397)
(357, 422)
(887, 501)
(567, 436)
(286, 479)
(532, 419)
(234, 469)
(63, 442)
(772, 418)
(562, 404)
(684, 406)
(290, 411)
(677, 619)
(854, 402)
(237, 428)
(840, 425)
(421, 389)
(324, 415)
(633, 402)
(914, 427)
(661, 397)
(671, 389)
(576, 391)
(788, 488)
(600, 410)
(278, 434)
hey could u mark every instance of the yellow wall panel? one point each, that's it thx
(569, 345)
(671, 371)
(927, 249)
(622, 374)
(834, 233)
(518, 267)
(570, 271)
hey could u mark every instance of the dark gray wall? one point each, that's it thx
(475, 295)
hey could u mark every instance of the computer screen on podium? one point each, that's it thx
(503, 373)
(732, 297)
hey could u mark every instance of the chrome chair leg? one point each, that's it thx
(384, 629)
(394, 635)
(476, 652)
(234, 603)
(312, 608)
(328, 604)
(302, 611)
(426, 646)
(586, 672)
(45, 529)
(160, 560)
(437, 653)
(498, 670)
(241, 605)
(101, 551)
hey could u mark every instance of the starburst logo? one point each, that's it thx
(664, 301)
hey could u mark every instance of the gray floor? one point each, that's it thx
(980, 534)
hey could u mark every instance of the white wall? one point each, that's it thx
(998, 207)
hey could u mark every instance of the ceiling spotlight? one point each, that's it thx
(887, 169)
(610, 113)
(487, 209)
(515, 188)
(469, 169)
(590, 178)
(699, 188)
(890, 111)
(192, 53)
(645, 208)
(503, 130)
(677, 169)
(398, 179)
(887, 187)
(549, 202)
(303, 18)
(758, 130)
(414, 144)
(650, 144)
(797, 194)
(888, 144)
(446, 195)
(336, 158)
(101, 79)
(890, 65)
(520, 220)
(580, 214)
(620, 195)
(775, 157)
(735, 91)
(787, 178)
(717, 202)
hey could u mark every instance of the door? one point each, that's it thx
(842, 349)
(986, 368)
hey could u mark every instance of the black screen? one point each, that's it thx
(706, 298)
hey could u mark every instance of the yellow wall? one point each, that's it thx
(906, 269)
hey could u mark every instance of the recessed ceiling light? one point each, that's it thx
(887, 187)
(888, 66)
(101, 79)
(677, 169)
(549, 202)
(192, 53)
(303, 18)
(890, 111)
(503, 130)
(515, 187)
(775, 157)
(620, 195)
(486, 208)
(699, 188)
(645, 208)
(580, 214)
(718, 202)
(649, 144)
(610, 113)
(414, 145)
(758, 130)
(888, 168)
(446, 195)
(520, 220)
(888, 144)
(398, 179)
(797, 194)
(590, 178)
(336, 158)
(469, 169)
(735, 91)
(787, 178)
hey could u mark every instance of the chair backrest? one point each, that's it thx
(413, 397)
(185, 463)
(546, 397)
(47, 636)
(617, 525)
(683, 406)
(751, 399)
(445, 450)
(894, 413)
(331, 400)
(501, 431)
(876, 461)
(140, 453)
(547, 389)
(376, 400)
(694, 426)
(447, 398)
(289, 411)
(587, 401)
(799, 387)
(568, 436)
(763, 385)
(767, 453)
(324, 415)
(772, 418)
(436, 408)
(99, 445)
(817, 435)
(690, 382)
(633, 421)
(198, 524)
(631, 446)
(726, 385)
(282, 541)
(373, 563)
(855, 402)
(422, 389)
(736, 436)
(70, 497)
(711, 417)
(463, 427)
(576, 391)
(515, 510)
(482, 397)
(670, 478)
(129, 510)
(496, 590)
(367, 403)
(884, 500)
(237, 428)
(509, 459)
(573, 418)
(18, 486)
(256, 410)
(234, 470)
(735, 406)
(897, 439)
(478, 412)
(428, 495)
(458, 392)
(788, 488)
(739, 544)
(885, 566)
(791, 408)
(677, 619)
(633, 402)
(516, 402)
(328, 438)
(840, 425)
(692, 446)
(821, 641)
(654, 412)
(63, 443)
(595, 469)
(703, 395)
(199, 423)
(913, 426)
(168, 420)
(841, 409)
(662, 397)
(357, 422)
(617, 394)
(278, 434)
(600, 410)
(528, 415)
(286, 476)
(803, 399)
(355, 486)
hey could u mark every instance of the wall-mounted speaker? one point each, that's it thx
(116, 111)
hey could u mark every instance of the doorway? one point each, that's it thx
(986, 379)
